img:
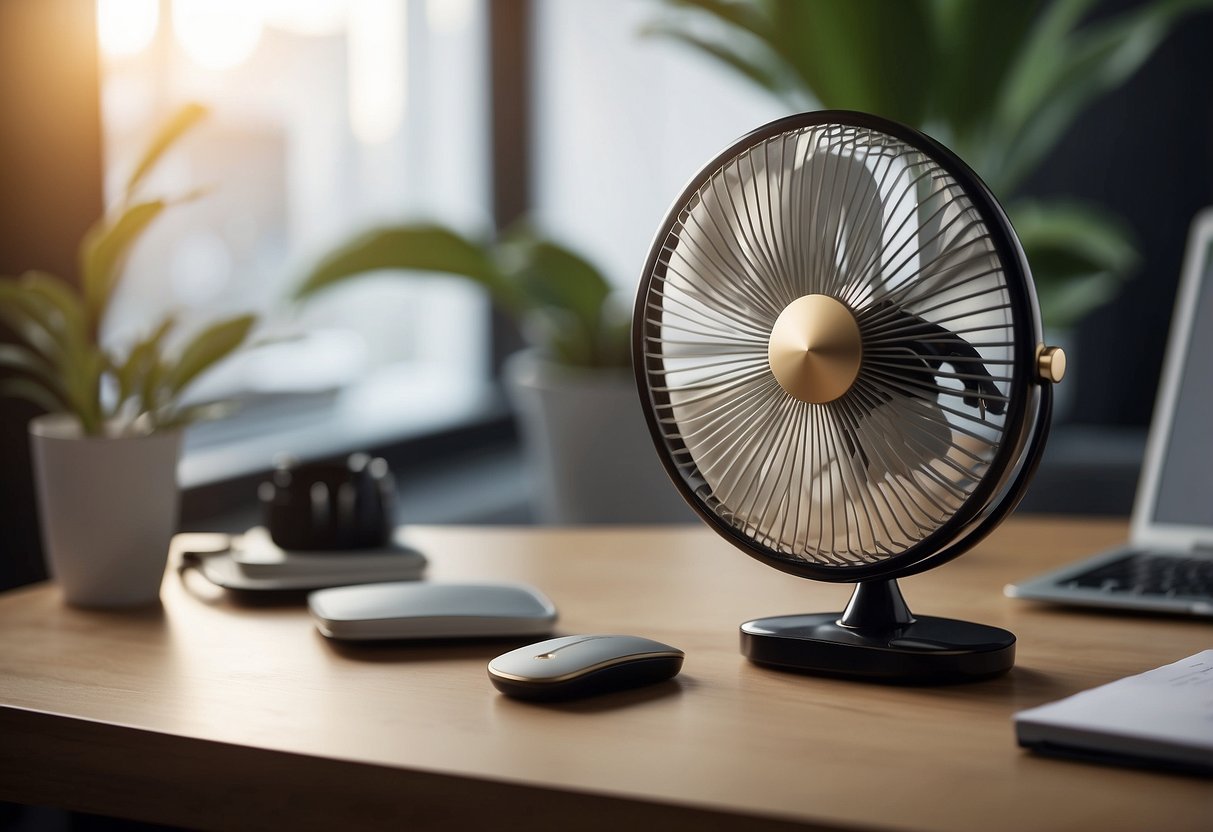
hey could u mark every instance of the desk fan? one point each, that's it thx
(838, 351)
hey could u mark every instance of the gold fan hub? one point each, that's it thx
(815, 349)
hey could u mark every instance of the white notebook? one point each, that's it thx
(258, 557)
(1163, 717)
(253, 563)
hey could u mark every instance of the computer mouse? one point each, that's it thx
(575, 666)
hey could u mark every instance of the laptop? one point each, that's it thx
(1168, 564)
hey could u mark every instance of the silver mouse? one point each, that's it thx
(586, 665)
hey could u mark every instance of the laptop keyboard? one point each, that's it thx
(1150, 573)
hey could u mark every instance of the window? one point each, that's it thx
(328, 116)
(622, 123)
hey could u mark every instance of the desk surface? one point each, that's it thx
(205, 713)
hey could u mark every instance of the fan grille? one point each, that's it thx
(854, 214)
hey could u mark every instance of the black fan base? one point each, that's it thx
(926, 651)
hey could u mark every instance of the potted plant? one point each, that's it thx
(572, 390)
(105, 454)
(1000, 83)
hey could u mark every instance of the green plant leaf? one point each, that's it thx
(1038, 63)
(140, 361)
(420, 247)
(63, 298)
(178, 125)
(26, 361)
(82, 387)
(63, 315)
(1055, 82)
(151, 387)
(44, 314)
(758, 67)
(103, 252)
(614, 347)
(1079, 254)
(33, 392)
(551, 275)
(564, 293)
(1000, 82)
(868, 55)
(978, 44)
(186, 416)
(205, 349)
(28, 319)
(740, 38)
(1066, 301)
(743, 15)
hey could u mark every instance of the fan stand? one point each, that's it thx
(877, 639)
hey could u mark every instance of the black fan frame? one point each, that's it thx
(1030, 401)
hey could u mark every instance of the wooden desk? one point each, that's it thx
(209, 714)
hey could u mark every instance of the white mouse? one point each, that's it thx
(575, 666)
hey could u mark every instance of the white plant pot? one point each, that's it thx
(108, 508)
(588, 446)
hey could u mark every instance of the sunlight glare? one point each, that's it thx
(307, 18)
(217, 34)
(378, 78)
(126, 27)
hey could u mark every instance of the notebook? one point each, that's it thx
(251, 562)
(1161, 718)
(1168, 564)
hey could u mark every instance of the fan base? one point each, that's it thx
(928, 651)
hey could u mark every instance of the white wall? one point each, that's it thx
(622, 122)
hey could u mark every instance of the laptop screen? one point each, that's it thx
(1185, 481)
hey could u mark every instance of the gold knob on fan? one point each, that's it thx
(1050, 363)
(815, 349)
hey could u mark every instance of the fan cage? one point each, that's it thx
(997, 480)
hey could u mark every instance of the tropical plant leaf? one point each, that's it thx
(978, 44)
(63, 298)
(62, 364)
(614, 348)
(212, 344)
(62, 315)
(845, 54)
(142, 358)
(65, 366)
(28, 319)
(551, 275)
(1053, 85)
(27, 362)
(178, 125)
(868, 55)
(420, 247)
(1039, 62)
(1079, 254)
(81, 380)
(562, 288)
(103, 251)
(1000, 82)
(208, 412)
(747, 16)
(1067, 300)
(33, 392)
(555, 295)
(1097, 236)
(564, 342)
(151, 387)
(760, 68)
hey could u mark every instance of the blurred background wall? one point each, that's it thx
(50, 175)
